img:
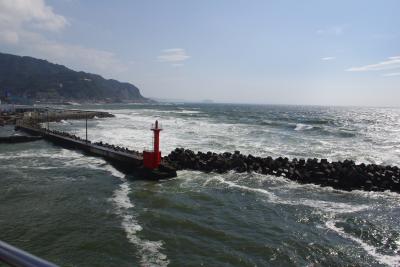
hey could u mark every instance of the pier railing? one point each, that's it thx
(16, 257)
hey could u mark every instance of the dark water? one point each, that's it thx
(76, 210)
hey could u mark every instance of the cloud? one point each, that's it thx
(389, 64)
(173, 55)
(328, 58)
(22, 23)
(15, 14)
(391, 74)
(9, 37)
(77, 56)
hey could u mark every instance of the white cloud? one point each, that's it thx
(173, 55)
(390, 63)
(21, 25)
(328, 58)
(391, 74)
(15, 14)
(76, 56)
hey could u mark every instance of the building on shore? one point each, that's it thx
(6, 107)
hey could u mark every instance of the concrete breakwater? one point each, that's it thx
(58, 115)
(34, 115)
(344, 175)
(124, 159)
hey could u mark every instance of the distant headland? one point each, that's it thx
(27, 80)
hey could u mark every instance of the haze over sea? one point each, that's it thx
(78, 210)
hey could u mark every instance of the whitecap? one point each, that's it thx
(324, 206)
(270, 195)
(189, 111)
(114, 172)
(391, 260)
(303, 127)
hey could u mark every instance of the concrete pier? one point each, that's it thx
(42, 114)
(128, 161)
(53, 115)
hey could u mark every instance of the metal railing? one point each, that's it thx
(18, 258)
(153, 126)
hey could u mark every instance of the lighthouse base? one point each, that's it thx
(161, 172)
(151, 159)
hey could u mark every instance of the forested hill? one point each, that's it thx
(39, 80)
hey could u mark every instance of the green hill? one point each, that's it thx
(39, 80)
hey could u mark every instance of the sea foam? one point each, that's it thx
(303, 127)
(390, 260)
(149, 251)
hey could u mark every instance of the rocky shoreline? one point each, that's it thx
(343, 175)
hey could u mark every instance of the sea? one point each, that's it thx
(77, 210)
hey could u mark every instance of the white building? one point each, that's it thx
(6, 107)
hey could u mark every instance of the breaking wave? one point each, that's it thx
(325, 206)
(303, 127)
(391, 260)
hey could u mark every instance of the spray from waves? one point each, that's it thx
(149, 250)
(384, 259)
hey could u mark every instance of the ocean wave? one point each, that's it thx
(114, 172)
(390, 260)
(317, 121)
(149, 250)
(41, 153)
(271, 196)
(274, 123)
(336, 132)
(303, 127)
(188, 111)
(324, 206)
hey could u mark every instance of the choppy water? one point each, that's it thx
(77, 210)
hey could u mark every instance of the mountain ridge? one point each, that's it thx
(38, 80)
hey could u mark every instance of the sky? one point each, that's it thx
(310, 52)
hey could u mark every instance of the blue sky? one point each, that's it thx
(279, 52)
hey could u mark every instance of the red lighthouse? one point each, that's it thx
(152, 159)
